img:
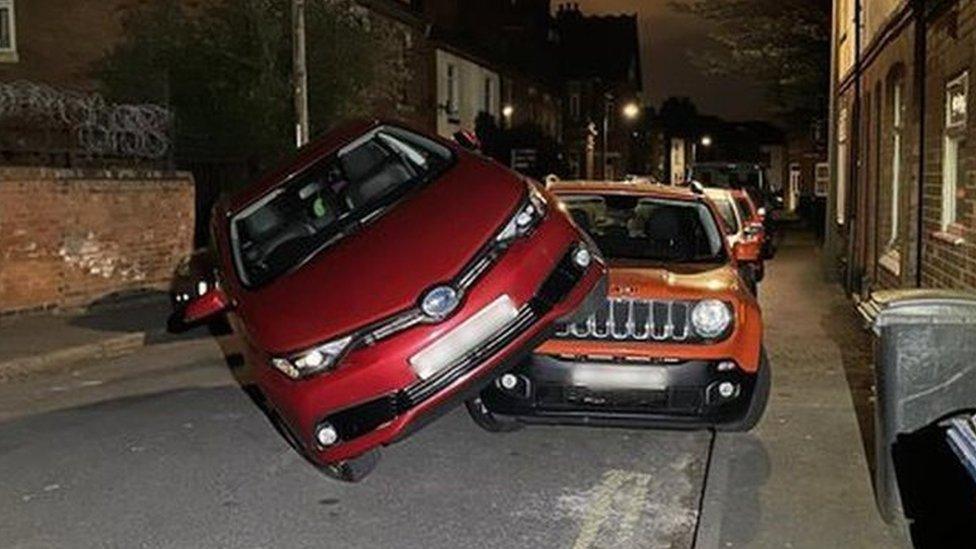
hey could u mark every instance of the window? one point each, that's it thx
(956, 106)
(950, 179)
(331, 200)
(8, 31)
(488, 96)
(453, 91)
(842, 172)
(655, 230)
(897, 123)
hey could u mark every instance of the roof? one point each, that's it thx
(642, 188)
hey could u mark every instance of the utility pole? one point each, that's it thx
(607, 105)
(299, 72)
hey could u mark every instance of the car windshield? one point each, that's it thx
(726, 209)
(331, 200)
(648, 229)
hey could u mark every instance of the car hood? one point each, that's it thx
(673, 281)
(381, 270)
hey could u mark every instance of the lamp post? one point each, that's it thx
(299, 72)
(607, 104)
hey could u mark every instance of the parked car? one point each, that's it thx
(678, 342)
(194, 276)
(744, 232)
(383, 276)
(752, 179)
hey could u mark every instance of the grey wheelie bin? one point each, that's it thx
(925, 373)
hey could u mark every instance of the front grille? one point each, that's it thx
(624, 319)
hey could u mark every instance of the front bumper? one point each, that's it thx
(374, 398)
(676, 394)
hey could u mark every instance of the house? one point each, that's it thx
(902, 199)
(600, 64)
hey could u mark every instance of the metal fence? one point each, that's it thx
(46, 125)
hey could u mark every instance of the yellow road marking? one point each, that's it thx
(609, 489)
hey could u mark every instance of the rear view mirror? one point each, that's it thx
(468, 140)
(206, 306)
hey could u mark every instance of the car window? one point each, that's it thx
(745, 207)
(651, 229)
(331, 200)
(726, 209)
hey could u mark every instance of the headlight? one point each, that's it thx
(711, 318)
(313, 361)
(526, 218)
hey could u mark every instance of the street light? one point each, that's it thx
(508, 111)
(631, 111)
(706, 141)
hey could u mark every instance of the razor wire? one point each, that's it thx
(99, 128)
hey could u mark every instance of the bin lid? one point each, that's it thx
(919, 306)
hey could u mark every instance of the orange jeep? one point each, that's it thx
(677, 343)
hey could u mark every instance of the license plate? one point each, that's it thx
(465, 338)
(612, 377)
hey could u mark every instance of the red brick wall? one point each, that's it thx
(951, 50)
(70, 237)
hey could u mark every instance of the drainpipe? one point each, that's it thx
(853, 191)
(918, 13)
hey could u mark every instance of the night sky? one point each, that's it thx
(667, 40)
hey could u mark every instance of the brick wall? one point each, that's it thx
(951, 51)
(70, 237)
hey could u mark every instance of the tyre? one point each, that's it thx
(353, 470)
(487, 420)
(760, 398)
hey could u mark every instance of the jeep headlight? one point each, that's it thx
(711, 318)
(313, 361)
(527, 218)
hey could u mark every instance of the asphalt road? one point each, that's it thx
(170, 453)
(162, 449)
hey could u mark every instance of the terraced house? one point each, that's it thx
(902, 207)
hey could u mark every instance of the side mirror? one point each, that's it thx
(206, 306)
(468, 140)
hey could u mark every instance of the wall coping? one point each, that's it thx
(20, 173)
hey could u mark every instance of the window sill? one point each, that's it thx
(9, 57)
(949, 238)
(891, 261)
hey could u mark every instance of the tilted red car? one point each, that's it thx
(385, 275)
(677, 343)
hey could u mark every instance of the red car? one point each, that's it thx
(384, 276)
(745, 231)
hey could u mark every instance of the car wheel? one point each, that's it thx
(487, 420)
(760, 397)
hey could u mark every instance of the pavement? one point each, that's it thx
(33, 342)
(160, 448)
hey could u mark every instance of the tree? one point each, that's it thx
(224, 70)
(783, 44)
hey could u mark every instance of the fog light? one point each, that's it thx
(726, 366)
(726, 389)
(583, 257)
(509, 382)
(326, 435)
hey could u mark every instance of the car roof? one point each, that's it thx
(640, 187)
